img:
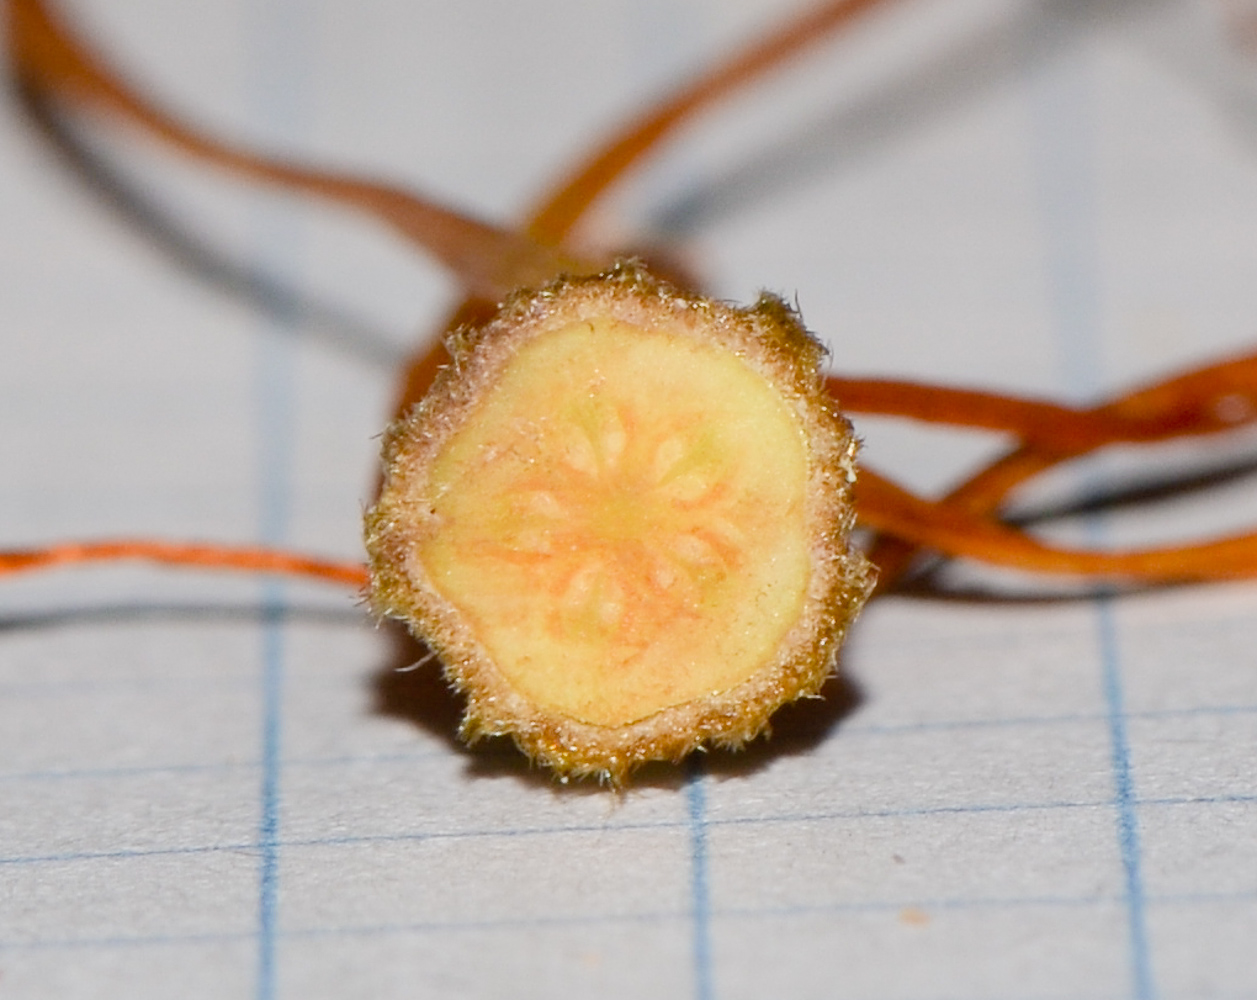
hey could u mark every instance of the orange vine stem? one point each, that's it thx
(1205, 401)
(490, 261)
(948, 528)
(244, 559)
(48, 61)
(567, 202)
(570, 199)
(1217, 397)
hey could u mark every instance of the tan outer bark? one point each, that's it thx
(770, 340)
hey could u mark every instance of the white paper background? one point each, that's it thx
(215, 787)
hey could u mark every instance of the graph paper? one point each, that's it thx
(215, 787)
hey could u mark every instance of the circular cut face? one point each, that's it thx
(622, 521)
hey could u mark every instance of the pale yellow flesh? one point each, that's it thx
(622, 521)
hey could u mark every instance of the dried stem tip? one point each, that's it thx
(622, 518)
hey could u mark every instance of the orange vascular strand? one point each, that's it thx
(567, 203)
(244, 559)
(953, 531)
(1217, 397)
(487, 259)
(980, 496)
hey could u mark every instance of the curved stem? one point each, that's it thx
(50, 62)
(1213, 398)
(1217, 397)
(557, 212)
(981, 496)
(490, 261)
(561, 208)
(953, 531)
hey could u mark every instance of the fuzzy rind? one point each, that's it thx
(771, 340)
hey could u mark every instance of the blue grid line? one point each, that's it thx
(125, 855)
(546, 831)
(1064, 145)
(280, 84)
(577, 919)
(1124, 800)
(501, 923)
(681, 916)
(700, 898)
(926, 903)
(268, 823)
(579, 829)
(1201, 898)
(417, 756)
(1193, 800)
(274, 392)
(698, 821)
(359, 930)
(978, 903)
